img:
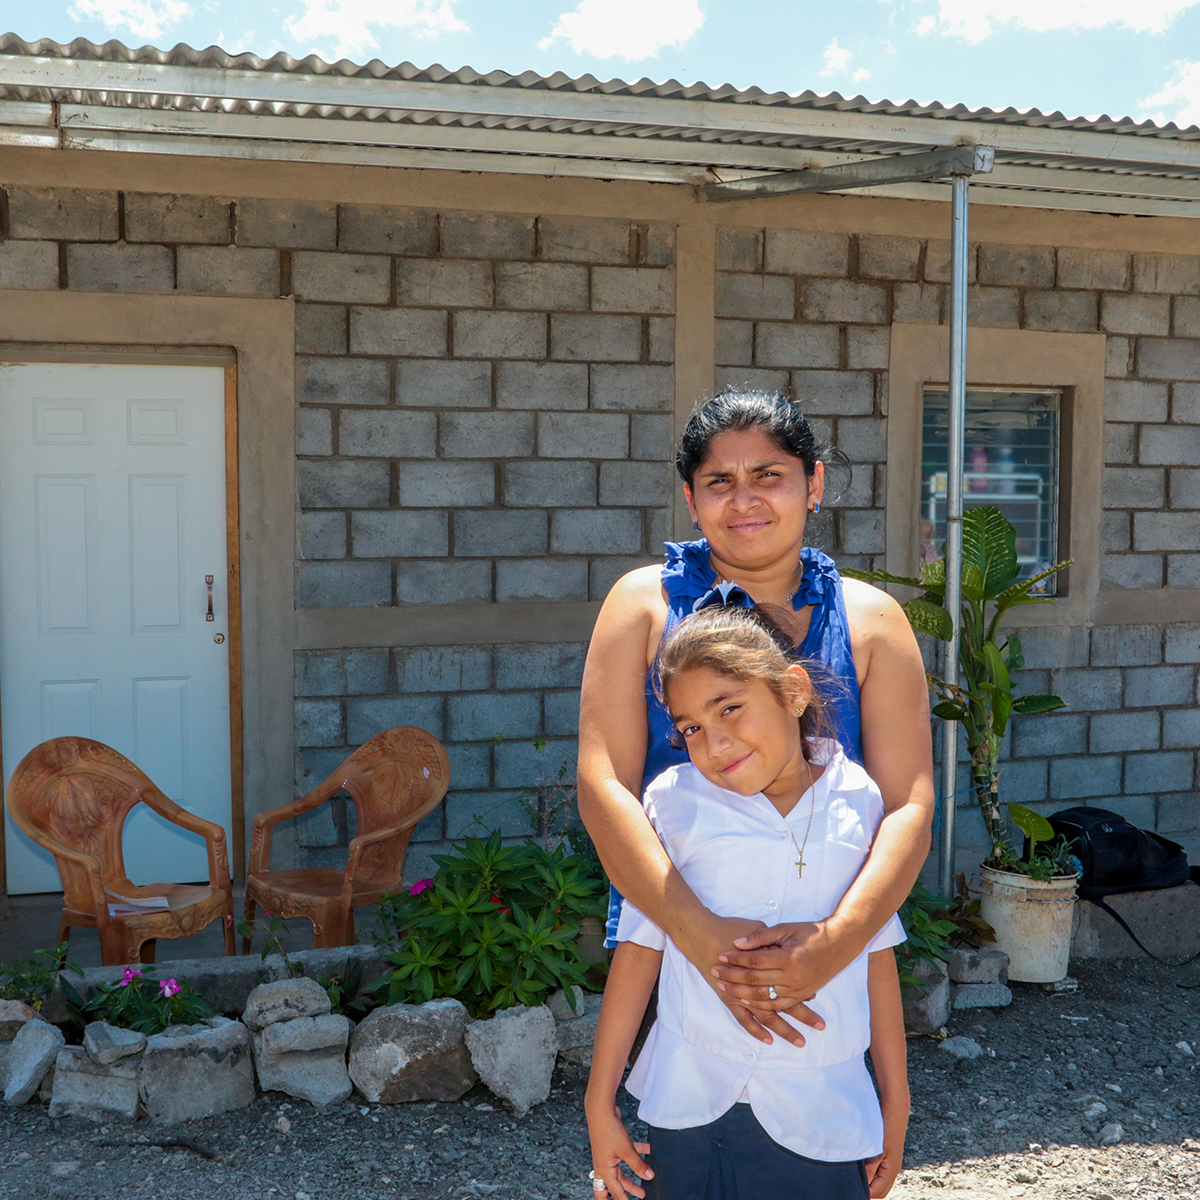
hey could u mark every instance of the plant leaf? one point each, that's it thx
(990, 546)
(1029, 705)
(927, 617)
(1033, 825)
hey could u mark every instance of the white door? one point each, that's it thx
(112, 518)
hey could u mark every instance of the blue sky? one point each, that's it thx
(1137, 58)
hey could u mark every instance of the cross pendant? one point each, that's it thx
(800, 867)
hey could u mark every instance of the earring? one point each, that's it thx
(696, 525)
(798, 713)
(816, 508)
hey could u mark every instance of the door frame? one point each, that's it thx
(253, 340)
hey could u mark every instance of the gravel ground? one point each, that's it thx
(1023, 1120)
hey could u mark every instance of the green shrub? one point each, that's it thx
(31, 980)
(142, 1003)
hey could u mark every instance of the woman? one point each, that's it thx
(752, 472)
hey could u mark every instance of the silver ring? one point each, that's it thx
(598, 1184)
(772, 992)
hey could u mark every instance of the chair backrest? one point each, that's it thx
(78, 792)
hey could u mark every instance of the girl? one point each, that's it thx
(766, 821)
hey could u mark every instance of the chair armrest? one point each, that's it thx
(88, 862)
(360, 843)
(213, 834)
(265, 822)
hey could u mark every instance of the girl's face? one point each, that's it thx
(738, 734)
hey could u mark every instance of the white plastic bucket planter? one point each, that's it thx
(1032, 921)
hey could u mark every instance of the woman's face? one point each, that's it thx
(751, 499)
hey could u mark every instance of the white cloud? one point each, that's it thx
(143, 18)
(974, 20)
(346, 24)
(627, 29)
(861, 75)
(836, 59)
(1181, 97)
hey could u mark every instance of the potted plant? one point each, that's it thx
(1026, 898)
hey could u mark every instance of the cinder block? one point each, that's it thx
(318, 828)
(435, 283)
(443, 581)
(541, 579)
(1047, 734)
(596, 531)
(735, 342)
(520, 765)
(750, 296)
(347, 278)
(159, 218)
(386, 433)
(1176, 446)
(738, 249)
(1183, 570)
(927, 1010)
(1126, 646)
(1134, 400)
(1054, 647)
(753, 378)
(447, 484)
(554, 484)
(595, 338)
(342, 483)
(917, 303)
(408, 332)
(1073, 312)
(444, 669)
(977, 966)
(581, 240)
(341, 673)
(1181, 728)
(1024, 780)
(575, 435)
(1164, 771)
(120, 267)
(794, 252)
(1124, 731)
(32, 265)
(478, 814)
(312, 767)
(366, 718)
(1186, 316)
(499, 335)
(1021, 266)
(835, 393)
(867, 348)
(842, 300)
(650, 438)
(1132, 571)
(938, 262)
(562, 713)
(485, 235)
(378, 229)
(1182, 644)
(500, 532)
(1134, 487)
(1088, 689)
(298, 223)
(863, 439)
(662, 339)
(633, 289)
(343, 584)
(1166, 273)
(539, 665)
(1116, 531)
(1185, 403)
(993, 307)
(888, 257)
(1118, 356)
(399, 534)
(432, 384)
(1120, 443)
(636, 483)
(67, 214)
(481, 716)
(1166, 919)
(560, 287)
(862, 531)
(342, 381)
(319, 723)
(1134, 314)
(1096, 269)
(1079, 778)
(1156, 687)
(542, 385)
(1164, 531)
(228, 270)
(658, 244)
(1168, 358)
(605, 571)
(321, 329)
(633, 387)
(791, 345)
(322, 534)
(979, 995)
(487, 434)
(470, 765)
(314, 431)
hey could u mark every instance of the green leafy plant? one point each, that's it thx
(1054, 860)
(31, 980)
(934, 926)
(141, 1002)
(272, 929)
(985, 699)
(344, 990)
(497, 927)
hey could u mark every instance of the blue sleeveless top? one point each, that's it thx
(688, 579)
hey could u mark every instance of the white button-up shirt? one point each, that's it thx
(737, 854)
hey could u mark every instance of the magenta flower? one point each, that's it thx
(131, 973)
(169, 988)
(418, 887)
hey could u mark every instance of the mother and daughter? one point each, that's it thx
(755, 772)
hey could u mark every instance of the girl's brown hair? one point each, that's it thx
(744, 644)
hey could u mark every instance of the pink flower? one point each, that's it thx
(168, 987)
(418, 887)
(131, 973)
(266, 912)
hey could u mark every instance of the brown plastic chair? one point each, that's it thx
(71, 795)
(396, 779)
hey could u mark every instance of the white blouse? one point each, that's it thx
(737, 854)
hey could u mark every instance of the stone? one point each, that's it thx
(404, 1052)
(1111, 1133)
(306, 1058)
(560, 1006)
(105, 1044)
(31, 1055)
(927, 1011)
(980, 995)
(977, 966)
(95, 1091)
(14, 1014)
(1166, 919)
(284, 1000)
(204, 1072)
(962, 1047)
(514, 1053)
(576, 1033)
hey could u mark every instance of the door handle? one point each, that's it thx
(208, 583)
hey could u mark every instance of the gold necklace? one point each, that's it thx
(811, 811)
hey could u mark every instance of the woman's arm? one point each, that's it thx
(890, 1059)
(626, 993)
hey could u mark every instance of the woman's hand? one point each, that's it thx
(611, 1146)
(796, 959)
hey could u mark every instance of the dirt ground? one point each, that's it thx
(1023, 1120)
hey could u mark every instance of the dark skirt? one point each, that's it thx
(734, 1158)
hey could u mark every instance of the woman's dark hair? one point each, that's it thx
(736, 409)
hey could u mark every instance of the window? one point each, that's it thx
(1011, 461)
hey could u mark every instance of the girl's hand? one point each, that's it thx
(883, 1169)
(611, 1146)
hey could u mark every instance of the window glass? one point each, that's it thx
(1011, 461)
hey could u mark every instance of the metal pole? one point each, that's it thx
(954, 511)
